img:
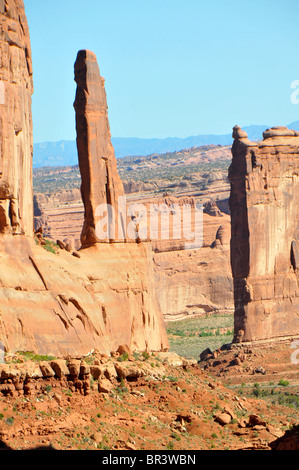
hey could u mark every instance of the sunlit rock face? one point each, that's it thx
(16, 142)
(264, 206)
(52, 302)
(101, 183)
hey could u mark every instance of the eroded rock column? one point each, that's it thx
(16, 142)
(264, 205)
(101, 183)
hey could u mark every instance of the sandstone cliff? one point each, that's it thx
(61, 216)
(264, 239)
(59, 304)
(16, 144)
(198, 282)
(100, 180)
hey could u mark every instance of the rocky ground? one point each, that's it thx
(134, 402)
(262, 362)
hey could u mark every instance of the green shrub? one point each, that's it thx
(145, 355)
(10, 420)
(123, 357)
(256, 390)
(31, 356)
(283, 383)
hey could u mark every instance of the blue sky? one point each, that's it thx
(173, 68)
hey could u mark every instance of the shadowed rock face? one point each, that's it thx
(16, 145)
(264, 206)
(100, 181)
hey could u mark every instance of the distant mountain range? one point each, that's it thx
(64, 153)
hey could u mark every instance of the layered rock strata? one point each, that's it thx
(16, 144)
(192, 283)
(61, 216)
(264, 206)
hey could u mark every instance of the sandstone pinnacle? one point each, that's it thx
(101, 183)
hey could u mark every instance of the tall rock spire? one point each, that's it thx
(16, 141)
(101, 183)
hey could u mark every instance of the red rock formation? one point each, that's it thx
(192, 283)
(264, 205)
(289, 441)
(100, 181)
(211, 208)
(58, 304)
(61, 215)
(16, 145)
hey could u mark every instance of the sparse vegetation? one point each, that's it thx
(123, 357)
(21, 356)
(49, 246)
(165, 171)
(283, 383)
(191, 336)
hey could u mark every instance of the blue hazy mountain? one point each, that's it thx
(64, 153)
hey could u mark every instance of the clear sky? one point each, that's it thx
(173, 68)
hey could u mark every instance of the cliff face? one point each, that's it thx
(198, 282)
(264, 206)
(101, 183)
(61, 215)
(16, 145)
(59, 304)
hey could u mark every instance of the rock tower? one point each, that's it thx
(16, 144)
(101, 183)
(264, 205)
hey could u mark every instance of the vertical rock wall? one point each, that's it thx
(101, 183)
(264, 206)
(16, 144)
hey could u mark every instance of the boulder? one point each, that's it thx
(97, 371)
(110, 371)
(223, 418)
(128, 371)
(84, 368)
(46, 369)
(105, 386)
(74, 367)
(60, 367)
(124, 349)
(206, 354)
